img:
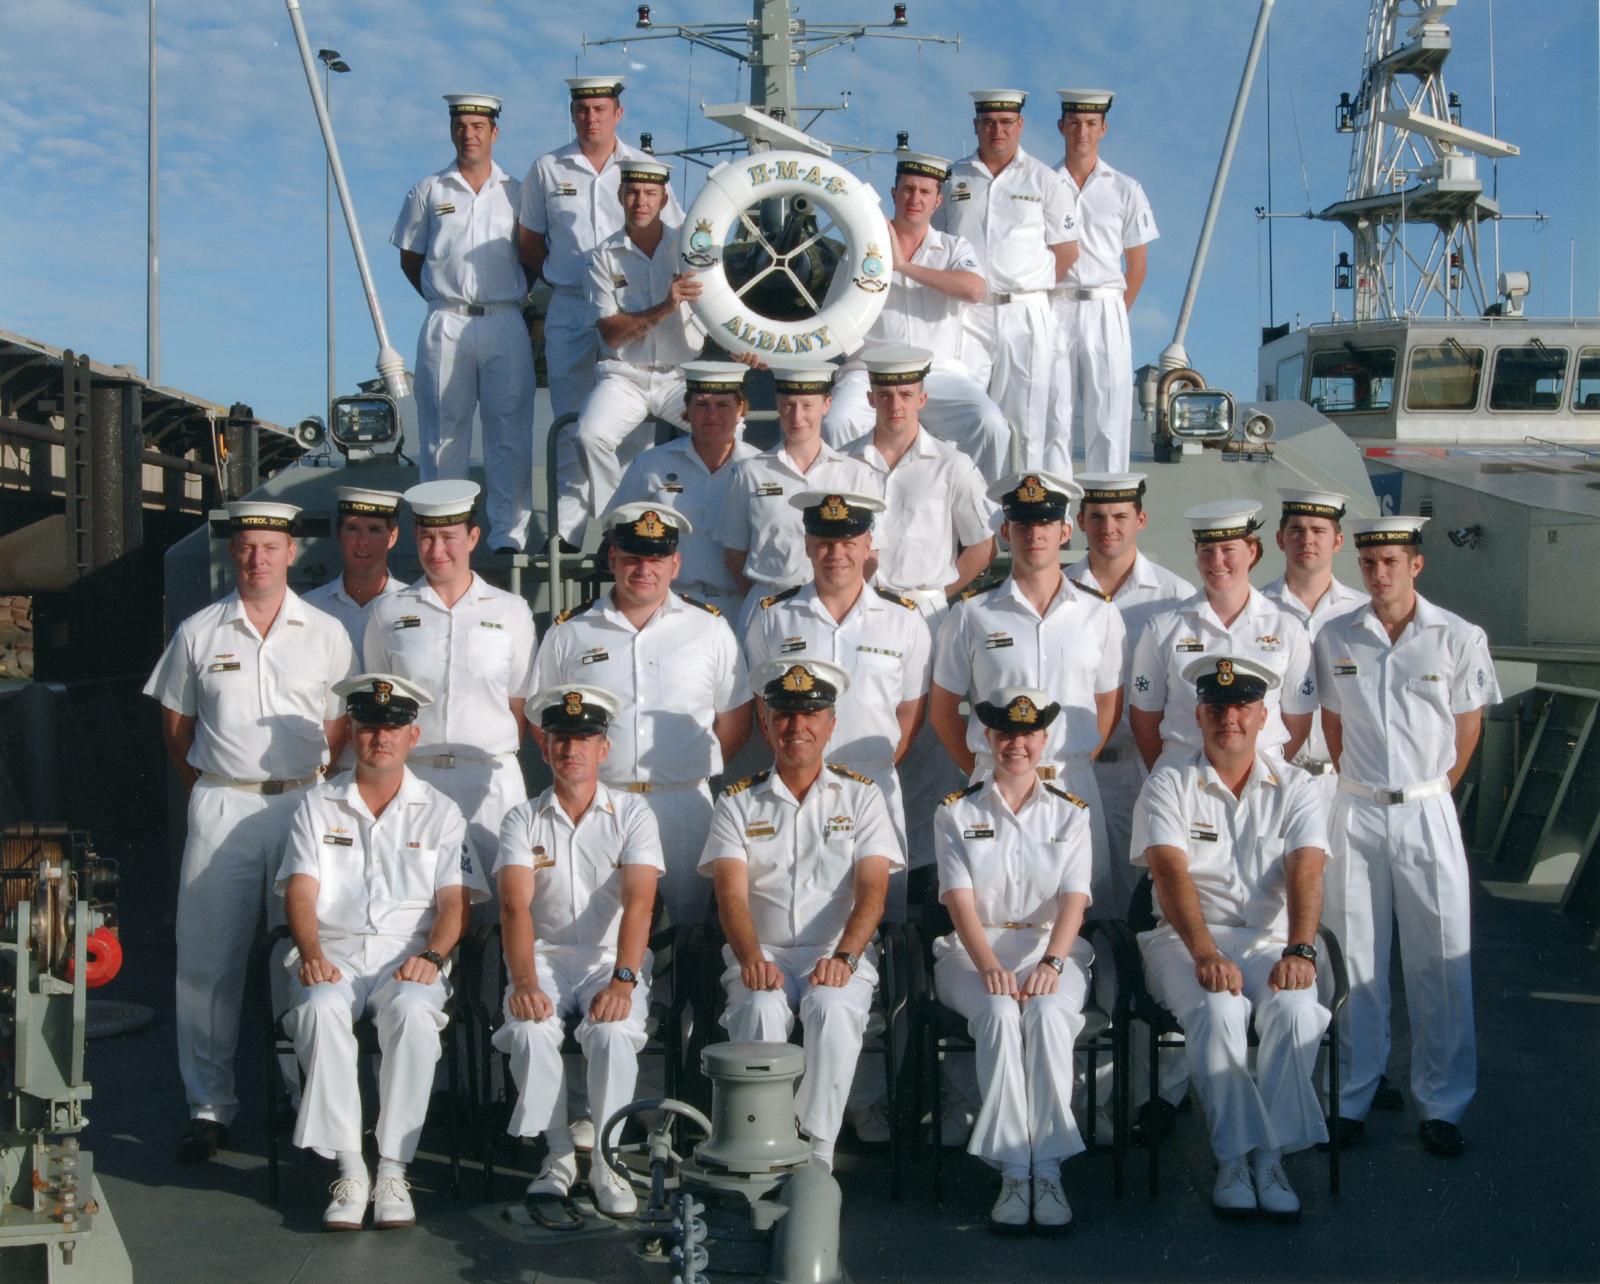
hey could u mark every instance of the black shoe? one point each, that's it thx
(1440, 1137)
(1156, 1119)
(1388, 1097)
(1344, 1134)
(200, 1141)
(568, 547)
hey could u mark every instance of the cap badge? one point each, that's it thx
(1022, 710)
(834, 509)
(381, 692)
(798, 678)
(1031, 491)
(650, 525)
(1224, 673)
(572, 704)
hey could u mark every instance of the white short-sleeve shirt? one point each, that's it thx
(258, 702)
(623, 278)
(1397, 704)
(332, 598)
(1011, 219)
(379, 876)
(801, 855)
(577, 868)
(472, 658)
(673, 676)
(1236, 846)
(1113, 216)
(916, 314)
(1335, 602)
(468, 239)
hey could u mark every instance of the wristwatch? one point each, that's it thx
(1052, 961)
(432, 956)
(1302, 951)
(626, 975)
(852, 961)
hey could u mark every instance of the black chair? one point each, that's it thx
(937, 1030)
(280, 1045)
(1165, 1032)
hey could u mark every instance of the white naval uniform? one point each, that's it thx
(1093, 379)
(1404, 862)
(472, 658)
(759, 521)
(1012, 219)
(802, 858)
(259, 705)
(1236, 849)
(1263, 631)
(994, 638)
(574, 207)
(1018, 866)
(466, 362)
(1339, 598)
(332, 598)
(959, 410)
(674, 474)
(673, 676)
(636, 382)
(884, 645)
(577, 913)
(378, 881)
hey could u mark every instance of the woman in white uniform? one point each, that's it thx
(1014, 865)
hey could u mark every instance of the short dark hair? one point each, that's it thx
(1284, 521)
(390, 520)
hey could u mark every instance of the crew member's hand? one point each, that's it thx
(417, 969)
(318, 971)
(612, 1003)
(762, 974)
(685, 288)
(831, 971)
(1293, 973)
(1042, 980)
(1216, 974)
(749, 359)
(530, 1003)
(1000, 980)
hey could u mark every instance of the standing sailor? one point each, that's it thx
(366, 526)
(1404, 685)
(457, 236)
(250, 719)
(1021, 218)
(1094, 356)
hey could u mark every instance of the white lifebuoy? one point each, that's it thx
(840, 327)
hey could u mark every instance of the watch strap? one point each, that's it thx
(432, 956)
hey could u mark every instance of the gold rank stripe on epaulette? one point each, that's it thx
(849, 775)
(1090, 589)
(982, 586)
(1071, 798)
(572, 611)
(739, 786)
(962, 793)
(774, 598)
(704, 606)
(889, 595)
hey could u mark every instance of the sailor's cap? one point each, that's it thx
(1229, 679)
(889, 364)
(646, 171)
(442, 503)
(922, 164)
(646, 529)
(1088, 101)
(1111, 488)
(382, 699)
(358, 501)
(997, 99)
(713, 376)
(581, 87)
(260, 515)
(1034, 496)
(473, 105)
(836, 515)
(1017, 709)
(1372, 531)
(802, 380)
(576, 709)
(796, 683)
(1223, 519)
(1313, 503)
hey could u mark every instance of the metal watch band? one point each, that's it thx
(1060, 965)
(853, 961)
(1302, 951)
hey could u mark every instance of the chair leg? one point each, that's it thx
(453, 1077)
(1090, 1065)
(1152, 1134)
(1333, 1106)
(936, 1066)
(486, 1140)
(1122, 1091)
(916, 1054)
(272, 1120)
(889, 1103)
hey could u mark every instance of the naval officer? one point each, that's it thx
(1093, 377)
(1022, 219)
(1404, 685)
(458, 248)
(646, 331)
(376, 878)
(935, 276)
(366, 525)
(250, 719)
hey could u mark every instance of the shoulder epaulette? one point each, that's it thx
(1071, 798)
(889, 595)
(960, 793)
(1090, 589)
(983, 586)
(774, 598)
(849, 775)
(704, 606)
(739, 786)
(573, 611)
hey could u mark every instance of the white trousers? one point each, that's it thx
(408, 1017)
(1010, 349)
(230, 856)
(1093, 380)
(1277, 1108)
(613, 427)
(959, 411)
(834, 1018)
(683, 817)
(482, 364)
(571, 350)
(485, 791)
(572, 975)
(1404, 864)
(1024, 1054)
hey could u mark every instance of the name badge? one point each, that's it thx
(1023, 196)
(225, 666)
(1188, 644)
(960, 196)
(878, 650)
(760, 829)
(619, 282)
(1202, 834)
(599, 655)
(490, 624)
(1343, 669)
(338, 840)
(769, 490)
(564, 189)
(792, 644)
(409, 622)
(997, 640)
(444, 209)
(979, 831)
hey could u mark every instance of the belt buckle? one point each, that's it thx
(1391, 797)
(1014, 926)
(476, 309)
(445, 760)
(637, 787)
(272, 788)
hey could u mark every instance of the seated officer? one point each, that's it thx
(1235, 841)
(376, 878)
(800, 857)
(577, 873)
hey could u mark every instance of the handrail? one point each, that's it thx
(552, 535)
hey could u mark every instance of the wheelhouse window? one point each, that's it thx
(1286, 385)
(1352, 379)
(1444, 376)
(1586, 391)
(1529, 377)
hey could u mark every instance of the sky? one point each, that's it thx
(241, 161)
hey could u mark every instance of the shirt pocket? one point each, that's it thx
(1433, 689)
(490, 649)
(411, 879)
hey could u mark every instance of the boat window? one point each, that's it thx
(1286, 387)
(1531, 377)
(1586, 392)
(1444, 376)
(1352, 379)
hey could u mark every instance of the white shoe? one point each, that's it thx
(582, 1131)
(1051, 1212)
(556, 1175)
(1274, 1196)
(348, 1207)
(391, 1204)
(955, 1126)
(613, 1195)
(1010, 1213)
(1234, 1194)
(871, 1125)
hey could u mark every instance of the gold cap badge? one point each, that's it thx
(1032, 491)
(1022, 710)
(650, 525)
(572, 705)
(834, 509)
(798, 678)
(381, 691)
(1224, 673)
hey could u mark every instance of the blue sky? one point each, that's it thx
(241, 161)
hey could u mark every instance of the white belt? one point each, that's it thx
(568, 291)
(473, 309)
(269, 788)
(1012, 296)
(1083, 293)
(1393, 797)
(655, 786)
(449, 761)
